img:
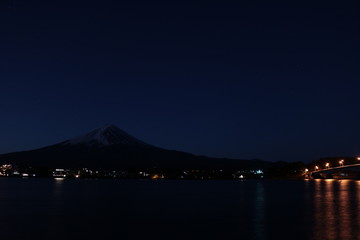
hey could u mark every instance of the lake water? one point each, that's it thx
(142, 209)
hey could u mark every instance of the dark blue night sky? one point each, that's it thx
(260, 80)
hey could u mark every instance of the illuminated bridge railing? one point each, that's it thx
(350, 167)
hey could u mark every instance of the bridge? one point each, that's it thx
(346, 171)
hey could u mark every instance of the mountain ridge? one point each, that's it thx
(109, 147)
(104, 136)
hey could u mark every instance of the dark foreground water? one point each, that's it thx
(138, 209)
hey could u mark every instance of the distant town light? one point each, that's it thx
(341, 162)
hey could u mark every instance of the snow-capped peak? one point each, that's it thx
(105, 136)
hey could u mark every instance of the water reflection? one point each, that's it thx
(318, 208)
(329, 209)
(334, 216)
(358, 206)
(57, 189)
(259, 212)
(344, 210)
(55, 208)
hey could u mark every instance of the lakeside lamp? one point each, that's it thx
(327, 165)
(316, 168)
(358, 158)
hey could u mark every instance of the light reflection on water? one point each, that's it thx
(358, 207)
(344, 210)
(336, 209)
(259, 212)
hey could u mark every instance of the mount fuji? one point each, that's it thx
(111, 148)
(106, 136)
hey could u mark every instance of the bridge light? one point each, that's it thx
(327, 165)
(316, 168)
(341, 162)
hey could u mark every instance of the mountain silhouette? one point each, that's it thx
(110, 148)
